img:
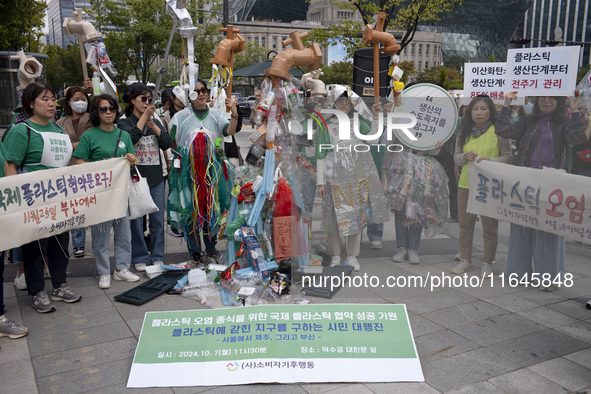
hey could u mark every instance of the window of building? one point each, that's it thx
(426, 50)
(274, 42)
(426, 64)
(412, 49)
(419, 66)
(263, 41)
(420, 49)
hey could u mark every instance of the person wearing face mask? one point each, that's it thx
(183, 128)
(148, 136)
(75, 122)
(543, 140)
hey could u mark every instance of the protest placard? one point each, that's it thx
(43, 203)
(436, 113)
(550, 200)
(486, 79)
(542, 71)
(276, 343)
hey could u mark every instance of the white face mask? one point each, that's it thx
(79, 106)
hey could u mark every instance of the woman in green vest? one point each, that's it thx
(477, 141)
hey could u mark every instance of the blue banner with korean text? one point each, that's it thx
(550, 200)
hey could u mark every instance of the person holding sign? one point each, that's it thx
(477, 141)
(99, 143)
(31, 146)
(148, 136)
(543, 140)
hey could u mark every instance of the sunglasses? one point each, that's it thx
(144, 99)
(202, 90)
(103, 109)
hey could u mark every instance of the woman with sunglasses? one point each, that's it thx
(105, 141)
(148, 136)
(194, 118)
(29, 147)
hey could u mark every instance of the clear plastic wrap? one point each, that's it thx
(397, 176)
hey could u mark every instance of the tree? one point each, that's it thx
(252, 54)
(450, 78)
(403, 15)
(21, 24)
(338, 73)
(63, 67)
(582, 72)
(455, 61)
(409, 71)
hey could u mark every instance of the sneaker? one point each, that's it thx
(376, 245)
(352, 261)
(11, 329)
(547, 289)
(105, 281)
(336, 260)
(141, 267)
(463, 266)
(63, 293)
(42, 304)
(126, 275)
(79, 252)
(458, 257)
(176, 233)
(19, 282)
(157, 263)
(486, 270)
(46, 273)
(399, 256)
(413, 257)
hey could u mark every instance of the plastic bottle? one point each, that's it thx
(197, 277)
(96, 83)
(294, 104)
(272, 124)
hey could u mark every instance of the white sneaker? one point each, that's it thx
(19, 282)
(463, 266)
(125, 275)
(105, 281)
(399, 256)
(486, 270)
(336, 260)
(413, 257)
(352, 261)
(458, 257)
(376, 245)
(157, 263)
(140, 267)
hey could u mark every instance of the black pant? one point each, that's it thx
(55, 249)
(2, 255)
(447, 163)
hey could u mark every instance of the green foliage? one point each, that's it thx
(63, 67)
(455, 61)
(450, 78)
(21, 24)
(252, 54)
(491, 59)
(403, 15)
(338, 73)
(409, 71)
(582, 72)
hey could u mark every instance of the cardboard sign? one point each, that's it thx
(486, 79)
(286, 233)
(276, 344)
(436, 113)
(542, 71)
(43, 203)
(549, 199)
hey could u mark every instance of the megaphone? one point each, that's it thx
(28, 70)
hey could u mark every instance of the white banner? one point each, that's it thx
(43, 203)
(486, 79)
(542, 71)
(550, 200)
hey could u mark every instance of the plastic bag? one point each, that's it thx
(397, 176)
(284, 203)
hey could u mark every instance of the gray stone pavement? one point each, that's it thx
(490, 339)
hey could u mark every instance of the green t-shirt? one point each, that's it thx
(3, 155)
(20, 148)
(97, 144)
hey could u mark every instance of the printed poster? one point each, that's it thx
(276, 344)
(486, 79)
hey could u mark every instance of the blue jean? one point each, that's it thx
(17, 256)
(193, 237)
(375, 232)
(78, 237)
(546, 249)
(121, 241)
(406, 237)
(139, 249)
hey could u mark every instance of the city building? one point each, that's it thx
(544, 16)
